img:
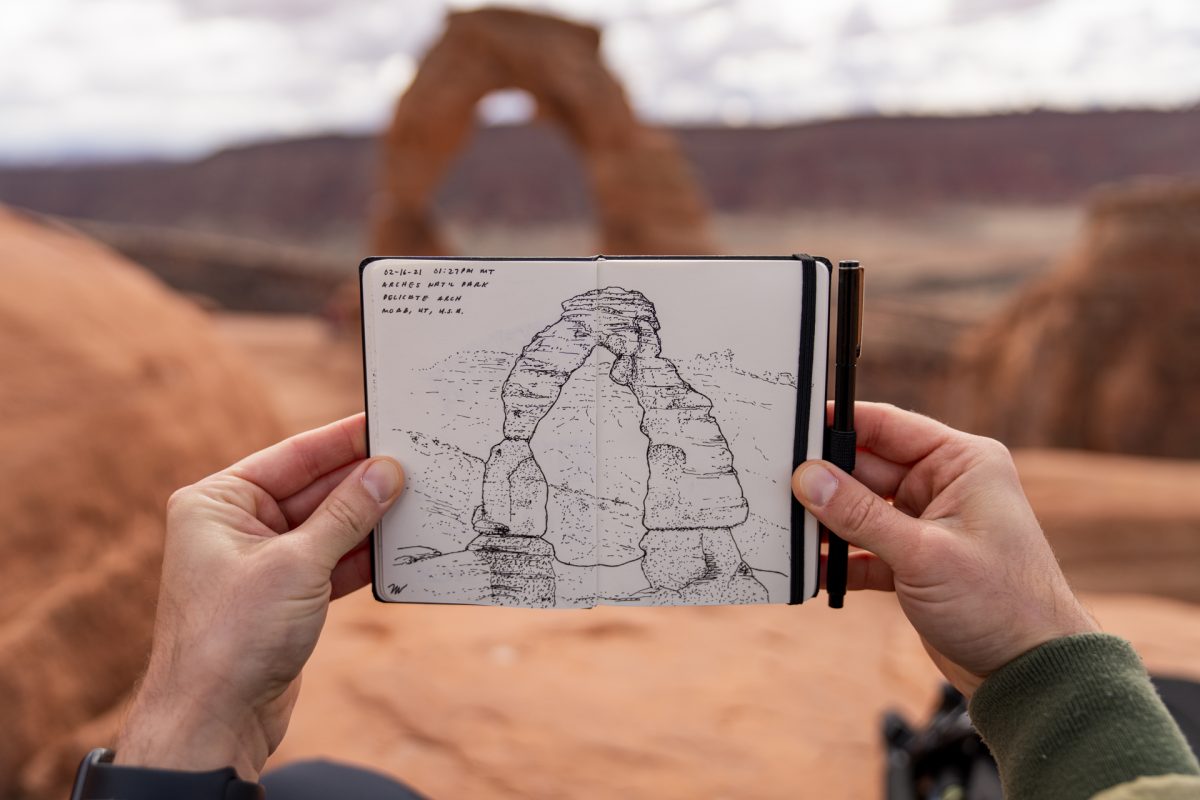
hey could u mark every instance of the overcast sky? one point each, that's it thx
(119, 78)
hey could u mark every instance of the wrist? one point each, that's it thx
(183, 732)
(1066, 617)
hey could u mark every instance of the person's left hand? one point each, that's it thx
(253, 556)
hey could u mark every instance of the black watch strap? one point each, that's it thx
(99, 779)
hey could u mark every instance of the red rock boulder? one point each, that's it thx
(114, 393)
(1103, 354)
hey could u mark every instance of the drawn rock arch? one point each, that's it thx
(693, 495)
(647, 199)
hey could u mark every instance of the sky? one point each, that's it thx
(116, 79)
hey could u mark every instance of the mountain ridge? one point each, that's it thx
(310, 189)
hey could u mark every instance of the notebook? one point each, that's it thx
(608, 430)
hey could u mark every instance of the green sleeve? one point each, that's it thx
(1074, 717)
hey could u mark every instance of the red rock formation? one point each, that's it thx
(647, 198)
(1102, 355)
(115, 392)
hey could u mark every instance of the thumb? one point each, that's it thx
(353, 508)
(854, 512)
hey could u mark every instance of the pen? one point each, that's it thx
(842, 438)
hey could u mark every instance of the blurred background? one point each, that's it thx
(187, 186)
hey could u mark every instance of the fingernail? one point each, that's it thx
(381, 480)
(817, 484)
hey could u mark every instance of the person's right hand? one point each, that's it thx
(959, 543)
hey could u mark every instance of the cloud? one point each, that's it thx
(973, 10)
(116, 78)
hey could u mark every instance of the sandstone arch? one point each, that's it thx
(693, 496)
(647, 199)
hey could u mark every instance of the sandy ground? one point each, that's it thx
(764, 702)
(749, 702)
(313, 376)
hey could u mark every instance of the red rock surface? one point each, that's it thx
(114, 393)
(1102, 355)
(1119, 523)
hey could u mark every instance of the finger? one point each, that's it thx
(893, 482)
(352, 572)
(352, 509)
(902, 437)
(881, 476)
(853, 511)
(299, 506)
(863, 571)
(287, 467)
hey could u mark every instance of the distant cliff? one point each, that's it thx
(320, 188)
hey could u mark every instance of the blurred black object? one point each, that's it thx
(946, 760)
(1182, 699)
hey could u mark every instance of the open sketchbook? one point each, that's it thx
(576, 432)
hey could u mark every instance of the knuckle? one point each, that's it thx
(342, 514)
(997, 448)
(993, 451)
(859, 512)
(182, 499)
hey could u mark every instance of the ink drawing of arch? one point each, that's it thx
(610, 479)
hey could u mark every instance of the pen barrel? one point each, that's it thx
(843, 398)
(841, 439)
(836, 566)
(848, 344)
